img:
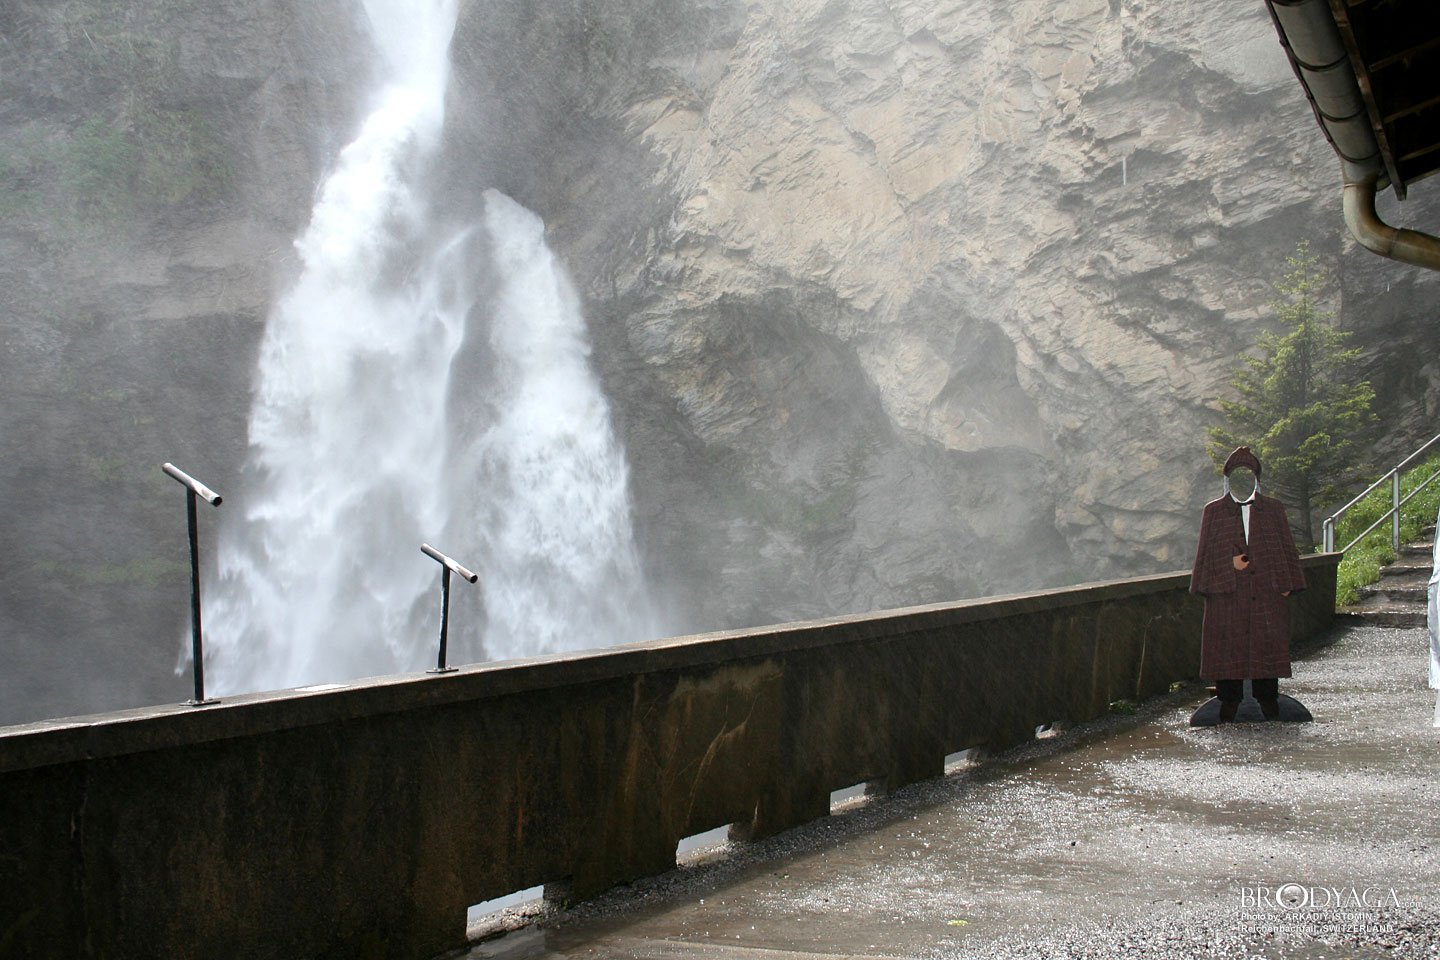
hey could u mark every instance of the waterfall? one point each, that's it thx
(365, 441)
(556, 543)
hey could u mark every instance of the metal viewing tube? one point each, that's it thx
(194, 488)
(447, 567)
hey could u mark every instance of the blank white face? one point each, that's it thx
(1242, 483)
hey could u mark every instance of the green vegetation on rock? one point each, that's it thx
(138, 146)
(157, 159)
(147, 574)
(804, 512)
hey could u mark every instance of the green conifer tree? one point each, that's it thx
(1298, 405)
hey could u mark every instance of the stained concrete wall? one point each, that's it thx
(361, 822)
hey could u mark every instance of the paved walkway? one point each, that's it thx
(1134, 836)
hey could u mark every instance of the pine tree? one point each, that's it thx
(1298, 406)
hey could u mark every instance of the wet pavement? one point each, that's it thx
(1132, 836)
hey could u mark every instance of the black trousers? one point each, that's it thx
(1233, 691)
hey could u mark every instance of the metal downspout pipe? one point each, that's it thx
(1377, 236)
(1317, 52)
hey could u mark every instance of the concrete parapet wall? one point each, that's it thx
(362, 821)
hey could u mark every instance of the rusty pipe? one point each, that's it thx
(1377, 236)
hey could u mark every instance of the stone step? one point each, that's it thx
(1381, 616)
(1398, 593)
(1406, 570)
(1401, 569)
(1399, 581)
(1400, 597)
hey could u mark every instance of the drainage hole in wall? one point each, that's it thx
(493, 917)
(852, 796)
(700, 846)
(965, 759)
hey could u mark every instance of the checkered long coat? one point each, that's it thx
(1246, 633)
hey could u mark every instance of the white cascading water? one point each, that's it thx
(556, 544)
(359, 451)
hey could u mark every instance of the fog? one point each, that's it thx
(663, 317)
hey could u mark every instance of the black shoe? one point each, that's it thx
(1227, 710)
(1270, 706)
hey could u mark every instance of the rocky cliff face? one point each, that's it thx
(897, 302)
(930, 299)
(156, 160)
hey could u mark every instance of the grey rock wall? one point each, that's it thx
(156, 159)
(926, 300)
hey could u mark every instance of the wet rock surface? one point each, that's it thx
(1134, 836)
(904, 302)
(156, 161)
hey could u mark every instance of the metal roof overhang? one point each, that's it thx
(1371, 70)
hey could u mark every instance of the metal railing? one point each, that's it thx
(1393, 514)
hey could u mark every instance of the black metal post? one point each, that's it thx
(447, 566)
(440, 665)
(197, 646)
(194, 488)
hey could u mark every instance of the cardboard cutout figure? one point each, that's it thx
(1245, 566)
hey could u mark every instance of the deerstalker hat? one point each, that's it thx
(1242, 457)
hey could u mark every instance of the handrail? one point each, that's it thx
(1393, 514)
(1408, 497)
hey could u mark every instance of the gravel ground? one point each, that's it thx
(1132, 836)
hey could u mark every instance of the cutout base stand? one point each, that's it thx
(1291, 711)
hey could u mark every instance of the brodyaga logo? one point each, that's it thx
(1321, 910)
(1299, 896)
